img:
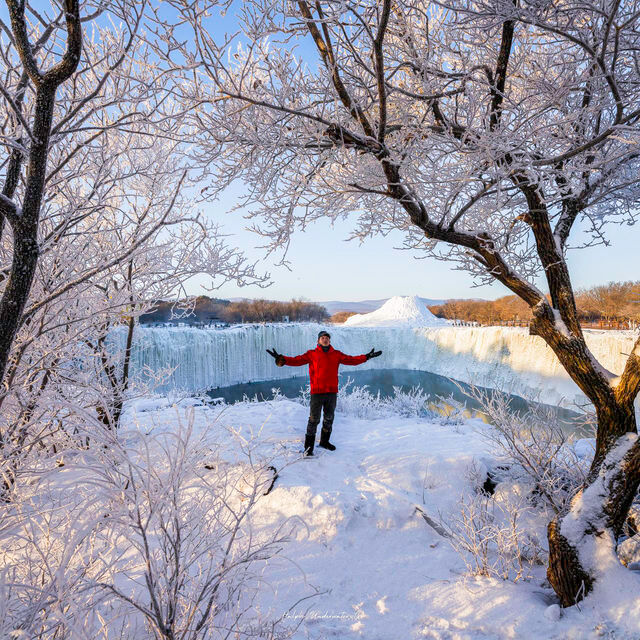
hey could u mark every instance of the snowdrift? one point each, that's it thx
(398, 311)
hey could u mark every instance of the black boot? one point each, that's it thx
(309, 441)
(325, 444)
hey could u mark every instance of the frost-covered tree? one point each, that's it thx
(113, 227)
(484, 130)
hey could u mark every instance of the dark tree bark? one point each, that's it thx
(565, 573)
(24, 220)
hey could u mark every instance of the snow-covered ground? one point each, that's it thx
(380, 570)
(399, 311)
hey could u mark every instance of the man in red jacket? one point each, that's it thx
(323, 363)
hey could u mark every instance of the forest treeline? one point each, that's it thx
(615, 302)
(273, 311)
(205, 310)
(202, 310)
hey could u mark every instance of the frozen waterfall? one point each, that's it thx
(496, 357)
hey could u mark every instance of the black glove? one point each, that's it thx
(372, 354)
(279, 358)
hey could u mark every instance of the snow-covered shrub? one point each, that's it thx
(276, 396)
(535, 445)
(354, 401)
(490, 536)
(180, 504)
(449, 411)
(408, 404)
(304, 398)
(359, 402)
(50, 554)
(145, 535)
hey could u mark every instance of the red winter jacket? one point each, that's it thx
(323, 367)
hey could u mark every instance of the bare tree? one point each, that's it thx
(612, 301)
(116, 228)
(505, 309)
(484, 130)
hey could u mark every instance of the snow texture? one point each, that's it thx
(398, 311)
(381, 571)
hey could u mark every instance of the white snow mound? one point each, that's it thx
(399, 311)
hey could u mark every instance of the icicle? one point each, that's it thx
(498, 357)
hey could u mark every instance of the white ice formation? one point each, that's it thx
(497, 357)
(407, 311)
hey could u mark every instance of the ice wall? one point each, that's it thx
(495, 357)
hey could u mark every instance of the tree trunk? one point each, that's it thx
(614, 420)
(25, 260)
(596, 516)
(124, 385)
(25, 221)
(26, 250)
(565, 573)
(613, 480)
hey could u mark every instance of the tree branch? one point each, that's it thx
(607, 133)
(380, 77)
(500, 76)
(324, 48)
(118, 259)
(63, 70)
(21, 38)
(10, 209)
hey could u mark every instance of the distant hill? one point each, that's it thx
(366, 306)
(206, 310)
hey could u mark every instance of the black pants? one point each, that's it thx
(325, 402)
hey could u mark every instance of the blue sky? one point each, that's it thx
(326, 267)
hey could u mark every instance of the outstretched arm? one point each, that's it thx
(296, 361)
(354, 360)
(345, 359)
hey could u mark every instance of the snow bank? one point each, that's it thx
(380, 571)
(507, 358)
(408, 311)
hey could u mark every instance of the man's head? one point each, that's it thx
(324, 339)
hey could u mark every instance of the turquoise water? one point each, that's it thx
(380, 381)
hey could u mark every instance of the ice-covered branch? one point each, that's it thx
(9, 209)
(325, 49)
